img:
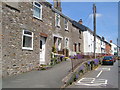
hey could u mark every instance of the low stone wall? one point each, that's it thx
(80, 71)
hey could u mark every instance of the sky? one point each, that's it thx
(107, 16)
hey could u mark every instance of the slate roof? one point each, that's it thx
(80, 26)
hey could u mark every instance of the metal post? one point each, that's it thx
(72, 64)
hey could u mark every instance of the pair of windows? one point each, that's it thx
(57, 21)
(37, 13)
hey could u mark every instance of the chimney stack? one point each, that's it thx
(103, 38)
(80, 21)
(110, 41)
(57, 5)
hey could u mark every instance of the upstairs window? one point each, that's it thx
(80, 34)
(27, 42)
(57, 19)
(37, 10)
(66, 24)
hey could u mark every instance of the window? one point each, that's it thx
(115, 48)
(37, 10)
(66, 43)
(59, 44)
(75, 47)
(79, 47)
(66, 24)
(57, 19)
(27, 42)
(40, 44)
(80, 35)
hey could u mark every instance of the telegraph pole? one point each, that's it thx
(117, 46)
(94, 23)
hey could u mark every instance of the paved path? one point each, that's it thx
(106, 76)
(51, 78)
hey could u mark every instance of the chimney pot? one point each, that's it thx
(80, 21)
(110, 41)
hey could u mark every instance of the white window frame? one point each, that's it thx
(39, 8)
(57, 24)
(66, 24)
(65, 43)
(59, 44)
(23, 34)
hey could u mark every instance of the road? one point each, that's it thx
(105, 76)
(51, 78)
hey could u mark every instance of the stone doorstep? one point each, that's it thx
(45, 67)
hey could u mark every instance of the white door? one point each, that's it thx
(42, 50)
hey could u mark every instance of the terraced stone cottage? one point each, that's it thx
(30, 31)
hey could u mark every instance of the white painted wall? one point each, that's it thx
(103, 47)
(98, 45)
(113, 48)
(88, 42)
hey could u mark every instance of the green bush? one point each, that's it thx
(53, 61)
(54, 49)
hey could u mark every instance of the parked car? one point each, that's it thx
(118, 58)
(114, 58)
(108, 60)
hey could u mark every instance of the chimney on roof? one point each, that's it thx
(103, 38)
(110, 41)
(80, 21)
(57, 5)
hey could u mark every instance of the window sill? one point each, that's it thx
(58, 26)
(37, 18)
(80, 37)
(29, 49)
(66, 30)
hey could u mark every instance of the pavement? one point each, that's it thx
(119, 74)
(105, 76)
(51, 78)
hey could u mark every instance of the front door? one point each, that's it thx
(42, 50)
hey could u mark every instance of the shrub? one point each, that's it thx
(54, 49)
(54, 61)
(96, 61)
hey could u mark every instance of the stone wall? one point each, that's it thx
(16, 60)
(72, 33)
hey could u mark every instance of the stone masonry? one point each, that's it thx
(16, 60)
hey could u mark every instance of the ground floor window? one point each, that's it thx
(66, 43)
(27, 40)
(79, 47)
(58, 43)
(75, 47)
